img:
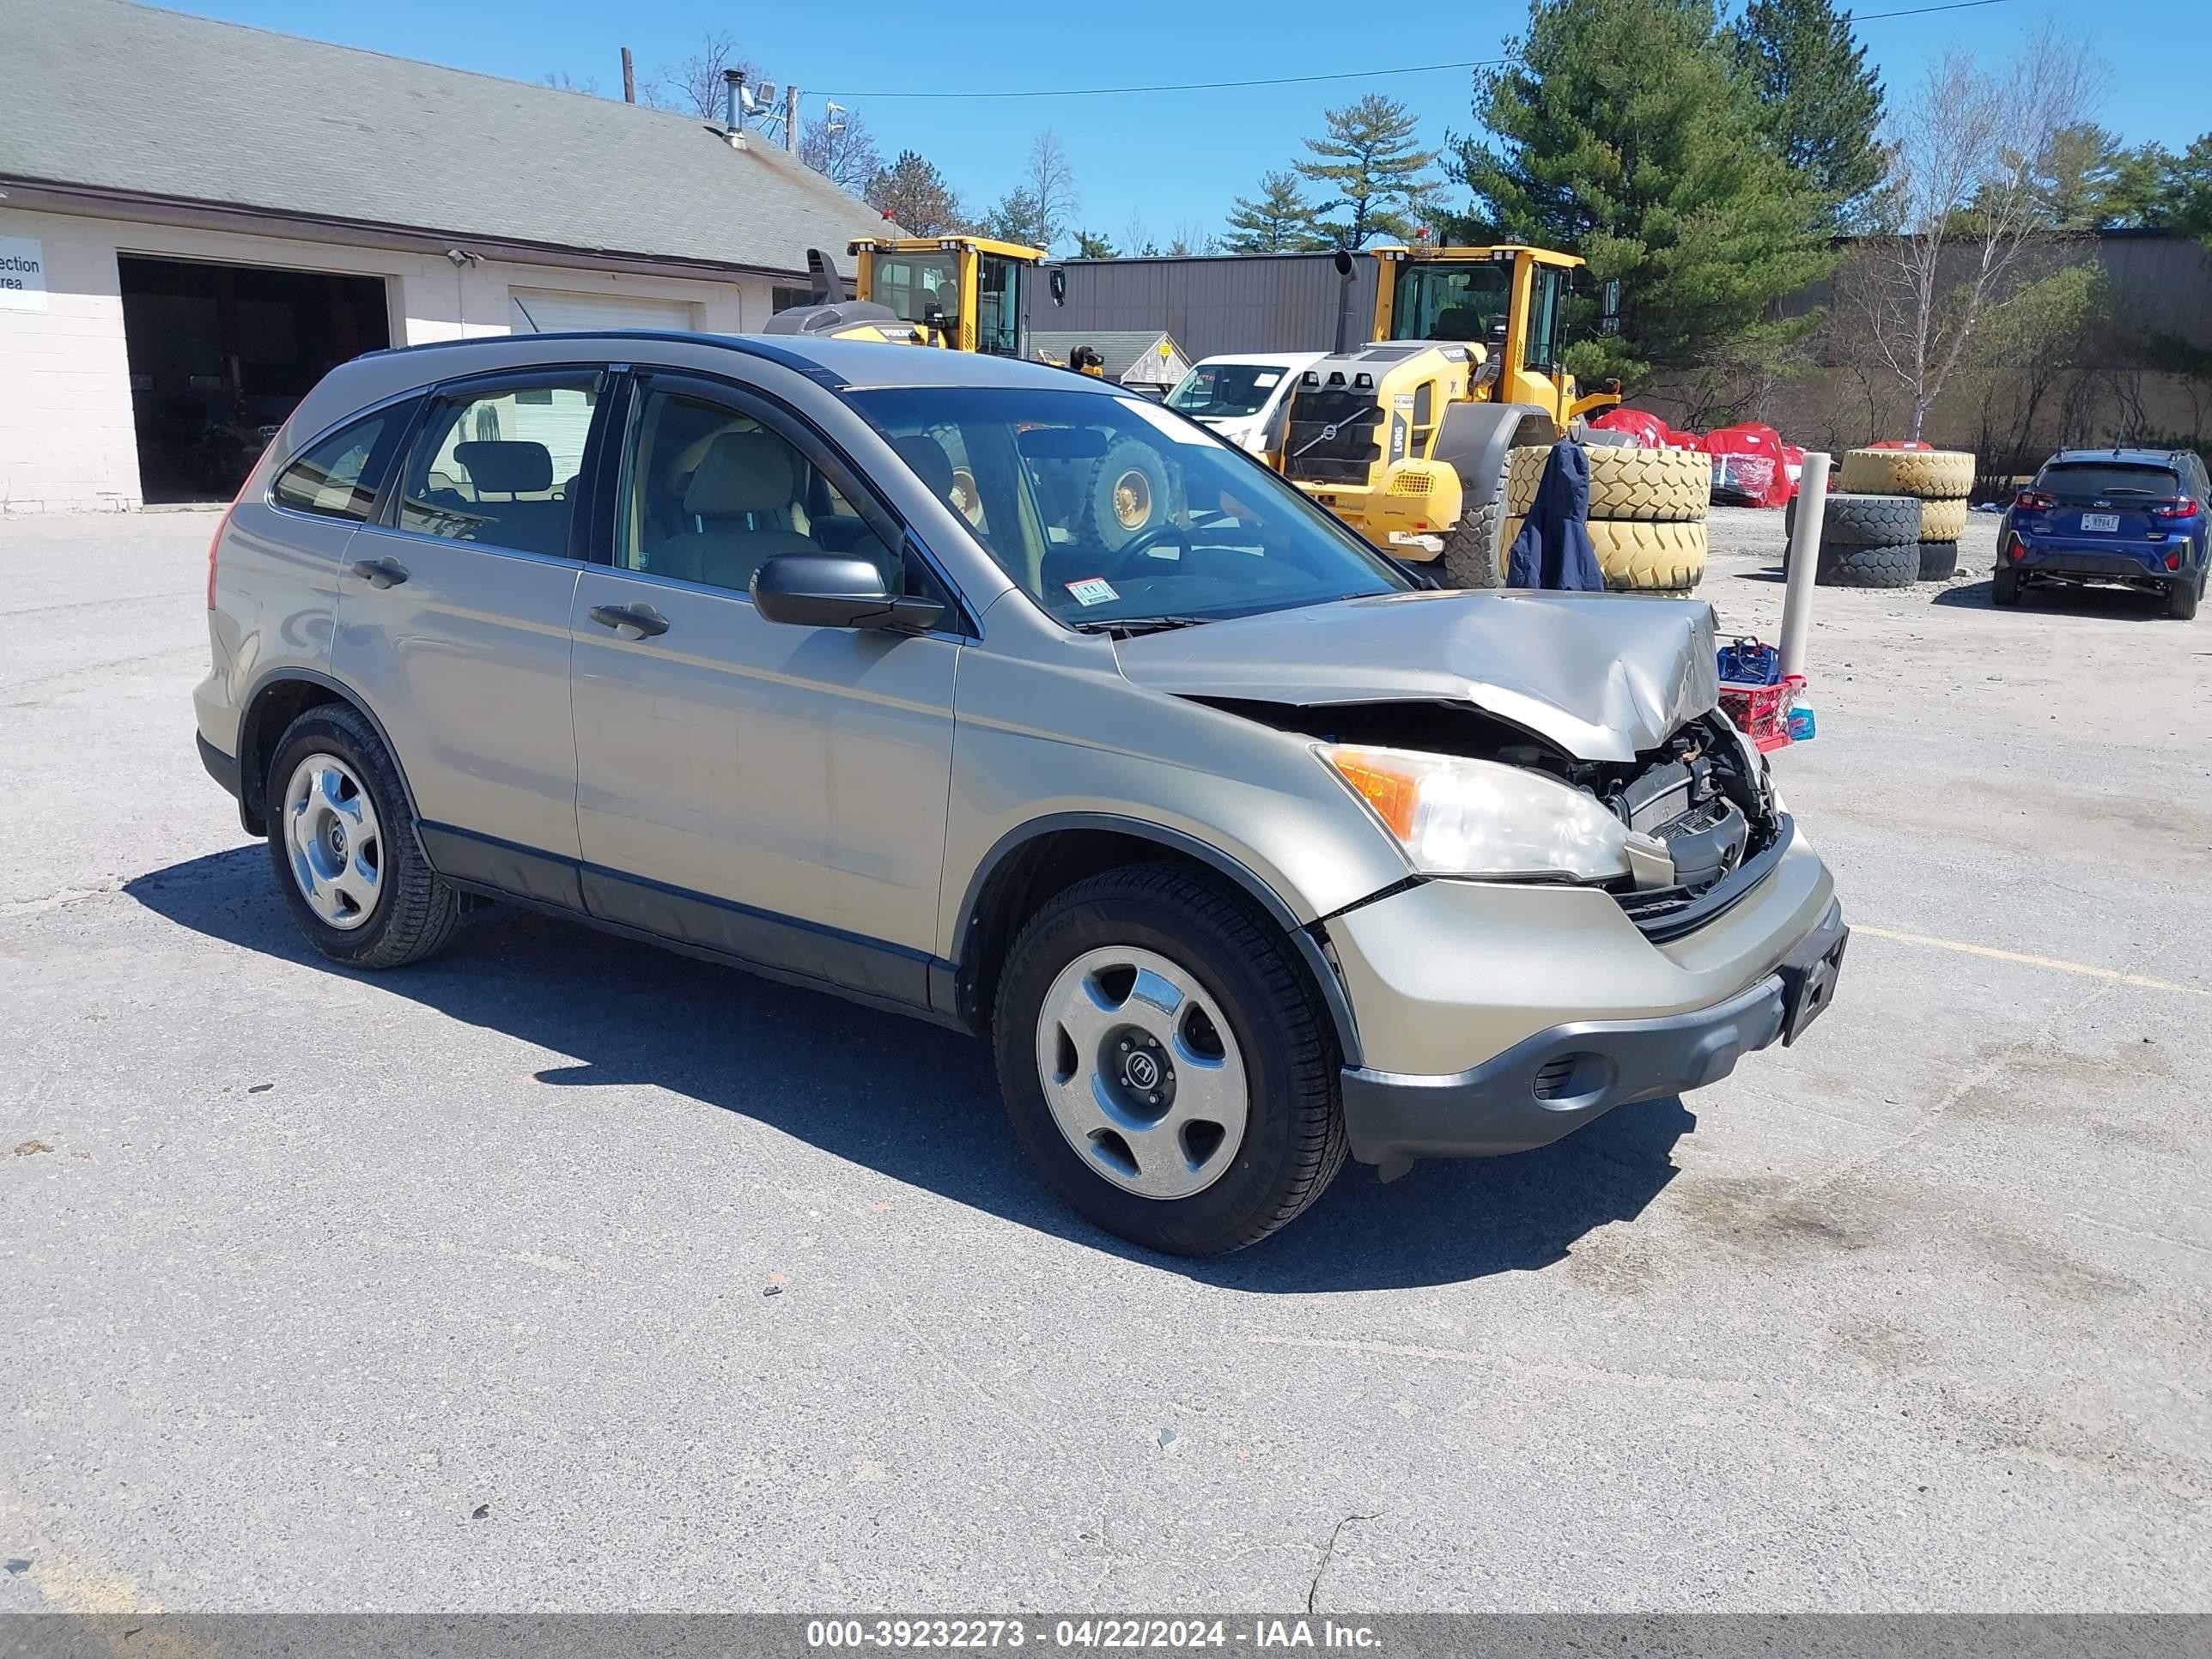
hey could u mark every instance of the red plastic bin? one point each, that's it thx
(1761, 713)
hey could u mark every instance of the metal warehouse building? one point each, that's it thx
(198, 219)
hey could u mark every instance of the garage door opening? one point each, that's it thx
(219, 354)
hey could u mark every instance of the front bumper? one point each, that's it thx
(1553, 1082)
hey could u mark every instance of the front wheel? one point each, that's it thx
(1165, 1063)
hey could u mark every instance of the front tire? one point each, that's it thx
(343, 846)
(1165, 1063)
(1471, 550)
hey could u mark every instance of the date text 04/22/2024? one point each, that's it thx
(1110, 1633)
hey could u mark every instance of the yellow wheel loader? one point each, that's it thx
(962, 293)
(1407, 438)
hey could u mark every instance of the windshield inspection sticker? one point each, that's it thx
(1261, 382)
(1092, 590)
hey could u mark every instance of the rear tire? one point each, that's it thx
(1292, 1142)
(411, 913)
(2004, 587)
(2181, 600)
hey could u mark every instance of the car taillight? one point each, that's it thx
(2035, 501)
(2173, 561)
(2181, 507)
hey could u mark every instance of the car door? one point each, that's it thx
(453, 623)
(773, 791)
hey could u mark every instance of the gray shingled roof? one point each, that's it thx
(1122, 348)
(122, 97)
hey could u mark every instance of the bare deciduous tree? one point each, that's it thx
(839, 147)
(1049, 181)
(1961, 200)
(696, 86)
(561, 81)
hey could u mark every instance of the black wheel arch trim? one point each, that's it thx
(267, 681)
(950, 979)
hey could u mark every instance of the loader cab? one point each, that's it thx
(1507, 300)
(966, 293)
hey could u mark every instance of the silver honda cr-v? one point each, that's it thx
(991, 694)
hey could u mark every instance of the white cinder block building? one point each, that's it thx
(197, 220)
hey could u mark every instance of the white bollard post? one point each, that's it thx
(1804, 557)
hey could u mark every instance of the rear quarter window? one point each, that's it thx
(2104, 479)
(339, 477)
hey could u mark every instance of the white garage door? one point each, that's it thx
(544, 311)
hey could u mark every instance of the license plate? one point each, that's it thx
(2100, 522)
(1807, 991)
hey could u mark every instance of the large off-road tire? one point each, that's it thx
(1170, 970)
(1935, 474)
(1640, 557)
(343, 847)
(1473, 555)
(1667, 485)
(1942, 521)
(1637, 557)
(1939, 561)
(1129, 492)
(1869, 520)
(2004, 587)
(1845, 564)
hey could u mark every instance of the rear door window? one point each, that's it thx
(500, 466)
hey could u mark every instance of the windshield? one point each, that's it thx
(910, 284)
(1107, 509)
(1450, 303)
(2105, 479)
(1226, 388)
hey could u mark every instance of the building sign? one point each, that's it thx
(22, 274)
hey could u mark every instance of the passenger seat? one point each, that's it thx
(741, 495)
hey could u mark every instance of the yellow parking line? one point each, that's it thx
(2055, 964)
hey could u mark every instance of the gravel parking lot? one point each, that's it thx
(564, 1273)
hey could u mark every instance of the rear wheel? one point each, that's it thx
(2004, 587)
(342, 841)
(2181, 599)
(1165, 1063)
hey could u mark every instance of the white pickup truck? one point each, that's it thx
(1240, 396)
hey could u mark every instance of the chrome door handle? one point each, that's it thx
(381, 572)
(632, 622)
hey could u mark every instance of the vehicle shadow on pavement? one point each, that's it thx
(2118, 603)
(920, 1104)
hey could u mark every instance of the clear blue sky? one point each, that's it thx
(1170, 158)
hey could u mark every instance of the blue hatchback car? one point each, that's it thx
(2138, 517)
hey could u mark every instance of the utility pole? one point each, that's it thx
(629, 78)
(791, 117)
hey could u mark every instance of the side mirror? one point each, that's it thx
(1058, 282)
(832, 590)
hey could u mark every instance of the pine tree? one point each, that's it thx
(913, 194)
(1623, 134)
(1379, 177)
(1094, 245)
(1820, 103)
(1279, 220)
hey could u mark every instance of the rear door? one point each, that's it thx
(453, 623)
(2107, 500)
(773, 791)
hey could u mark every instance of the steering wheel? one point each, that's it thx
(1141, 544)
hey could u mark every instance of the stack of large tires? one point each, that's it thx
(1940, 480)
(1647, 512)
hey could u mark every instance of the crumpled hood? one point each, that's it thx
(1601, 675)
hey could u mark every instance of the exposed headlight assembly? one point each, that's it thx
(1457, 817)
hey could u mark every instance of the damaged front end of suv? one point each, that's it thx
(1604, 900)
